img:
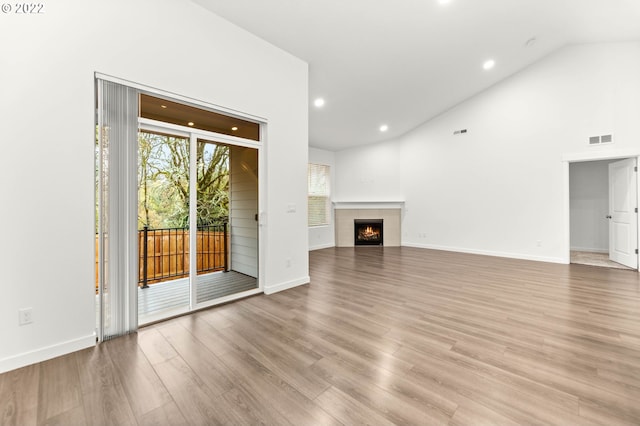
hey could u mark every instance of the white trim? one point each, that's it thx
(193, 221)
(47, 352)
(184, 131)
(489, 253)
(180, 98)
(600, 155)
(287, 285)
(226, 299)
(262, 205)
(355, 205)
(164, 315)
(321, 246)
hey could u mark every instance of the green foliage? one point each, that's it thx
(163, 181)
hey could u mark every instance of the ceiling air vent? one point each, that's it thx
(457, 132)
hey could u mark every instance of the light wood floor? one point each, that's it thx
(381, 336)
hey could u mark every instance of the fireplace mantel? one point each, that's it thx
(365, 205)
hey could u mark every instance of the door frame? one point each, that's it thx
(587, 157)
(193, 135)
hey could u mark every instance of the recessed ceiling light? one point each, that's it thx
(190, 123)
(234, 128)
(163, 106)
(319, 102)
(488, 64)
(384, 128)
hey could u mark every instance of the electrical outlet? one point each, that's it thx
(25, 316)
(287, 262)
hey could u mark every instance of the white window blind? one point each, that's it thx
(319, 196)
(117, 203)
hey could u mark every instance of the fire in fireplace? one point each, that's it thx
(368, 232)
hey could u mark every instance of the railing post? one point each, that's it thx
(226, 252)
(145, 250)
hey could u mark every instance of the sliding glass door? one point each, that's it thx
(197, 222)
(227, 229)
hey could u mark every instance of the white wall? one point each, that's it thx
(324, 236)
(47, 65)
(371, 173)
(498, 189)
(589, 205)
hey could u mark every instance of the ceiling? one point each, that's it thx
(403, 62)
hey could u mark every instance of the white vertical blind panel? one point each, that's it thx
(118, 260)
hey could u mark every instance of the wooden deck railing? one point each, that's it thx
(163, 254)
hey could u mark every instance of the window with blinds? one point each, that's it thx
(319, 195)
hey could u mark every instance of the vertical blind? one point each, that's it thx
(319, 194)
(117, 128)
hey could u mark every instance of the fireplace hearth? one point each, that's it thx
(368, 232)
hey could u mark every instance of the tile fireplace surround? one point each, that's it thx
(346, 212)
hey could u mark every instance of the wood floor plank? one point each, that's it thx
(155, 346)
(103, 396)
(261, 382)
(200, 360)
(19, 396)
(349, 410)
(168, 414)
(144, 389)
(197, 403)
(246, 408)
(59, 391)
(395, 408)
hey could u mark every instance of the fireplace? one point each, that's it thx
(368, 232)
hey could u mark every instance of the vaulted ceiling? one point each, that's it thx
(400, 63)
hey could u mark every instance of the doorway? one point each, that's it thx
(602, 213)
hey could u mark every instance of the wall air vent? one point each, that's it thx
(596, 140)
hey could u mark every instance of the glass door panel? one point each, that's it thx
(163, 225)
(227, 228)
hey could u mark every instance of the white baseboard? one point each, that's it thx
(489, 253)
(48, 352)
(322, 246)
(286, 285)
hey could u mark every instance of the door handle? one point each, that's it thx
(608, 216)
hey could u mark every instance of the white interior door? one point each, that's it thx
(623, 220)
